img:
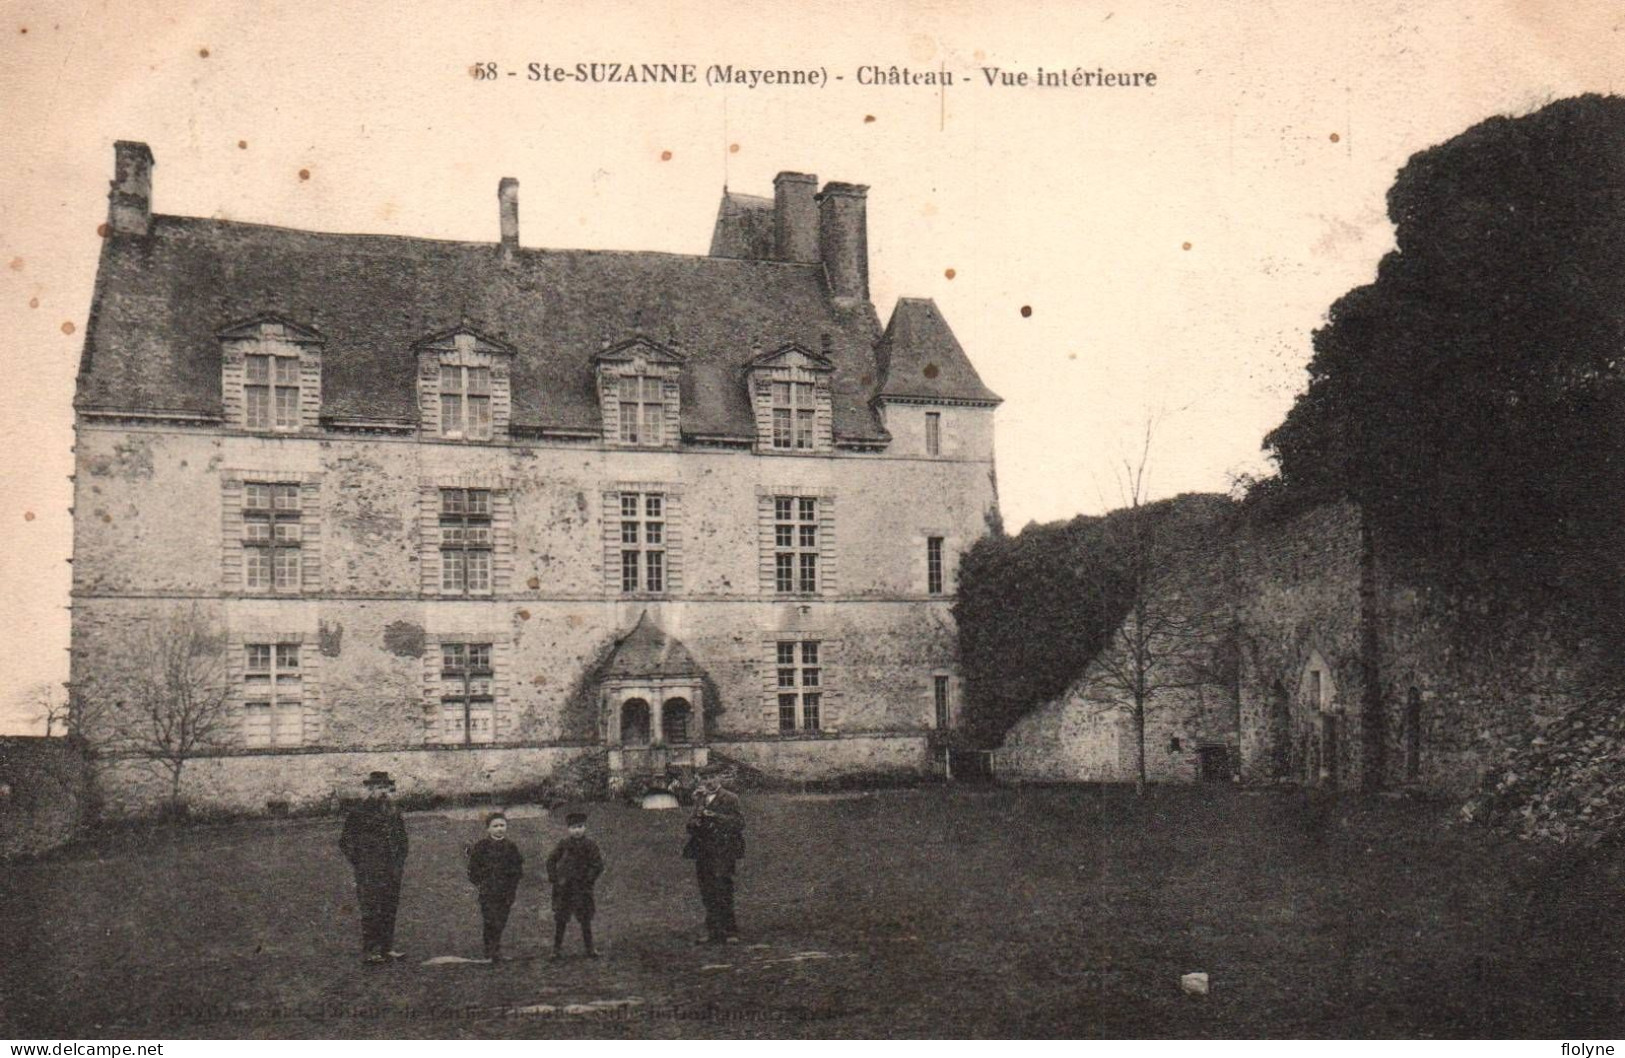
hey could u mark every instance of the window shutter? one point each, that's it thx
(501, 540)
(827, 575)
(310, 535)
(612, 543)
(764, 520)
(429, 538)
(231, 534)
(674, 542)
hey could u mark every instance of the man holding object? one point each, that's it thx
(716, 840)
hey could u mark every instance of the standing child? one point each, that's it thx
(573, 867)
(495, 867)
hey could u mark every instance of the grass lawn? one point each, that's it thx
(956, 911)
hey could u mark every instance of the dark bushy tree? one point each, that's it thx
(1471, 399)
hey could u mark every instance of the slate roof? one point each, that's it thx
(648, 652)
(920, 357)
(161, 300)
(744, 227)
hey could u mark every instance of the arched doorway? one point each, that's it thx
(635, 722)
(675, 717)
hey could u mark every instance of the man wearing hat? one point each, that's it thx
(374, 841)
(716, 841)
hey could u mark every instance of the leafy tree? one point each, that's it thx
(1471, 399)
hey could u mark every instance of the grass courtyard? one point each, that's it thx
(946, 911)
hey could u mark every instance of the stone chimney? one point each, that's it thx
(795, 218)
(129, 203)
(508, 201)
(843, 239)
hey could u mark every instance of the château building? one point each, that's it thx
(478, 513)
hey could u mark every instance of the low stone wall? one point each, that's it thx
(312, 782)
(831, 756)
(43, 794)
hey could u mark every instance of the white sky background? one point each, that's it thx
(1076, 202)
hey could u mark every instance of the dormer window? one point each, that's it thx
(794, 408)
(463, 386)
(643, 409)
(465, 402)
(271, 375)
(640, 394)
(790, 391)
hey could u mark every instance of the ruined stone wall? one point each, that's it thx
(369, 624)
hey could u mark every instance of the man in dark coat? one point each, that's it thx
(716, 841)
(374, 841)
(573, 866)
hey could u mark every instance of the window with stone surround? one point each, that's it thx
(467, 694)
(941, 704)
(798, 542)
(464, 386)
(273, 695)
(271, 538)
(933, 565)
(640, 394)
(792, 401)
(933, 433)
(643, 542)
(271, 375)
(466, 542)
(800, 682)
(465, 402)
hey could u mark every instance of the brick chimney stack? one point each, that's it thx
(129, 203)
(795, 218)
(843, 237)
(508, 201)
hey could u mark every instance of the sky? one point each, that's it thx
(1106, 256)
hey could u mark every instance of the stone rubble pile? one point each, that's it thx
(1567, 785)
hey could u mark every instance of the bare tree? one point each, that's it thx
(1169, 636)
(46, 703)
(177, 701)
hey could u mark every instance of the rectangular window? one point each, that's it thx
(794, 408)
(795, 545)
(465, 541)
(465, 402)
(799, 680)
(271, 537)
(643, 410)
(939, 689)
(270, 392)
(467, 704)
(933, 565)
(273, 704)
(643, 542)
(933, 433)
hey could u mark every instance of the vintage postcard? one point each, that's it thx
(812, 520)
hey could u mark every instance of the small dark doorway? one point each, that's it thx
(635, 723)
(674, 718)
(1213, 763)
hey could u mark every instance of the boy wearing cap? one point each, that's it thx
(573, 866)
(374, 841)
(495, 866)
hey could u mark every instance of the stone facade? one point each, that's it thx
(1342, 676)
(441, 604)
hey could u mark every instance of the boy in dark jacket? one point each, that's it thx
(573, 867)
(495, 867)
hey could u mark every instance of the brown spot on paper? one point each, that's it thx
(868, 119)
(1185, 246)
(16, 264)
(949, 274)
(1026, 311)
(665, 156)
(67, 326)
(203, 53)
(534, 583)
(1335, 137)
(523, 615)
(102, 229)
(33, 303)
(28, 516)
(733, 148)
(931, 371)
(304, 174)
(242, 145)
